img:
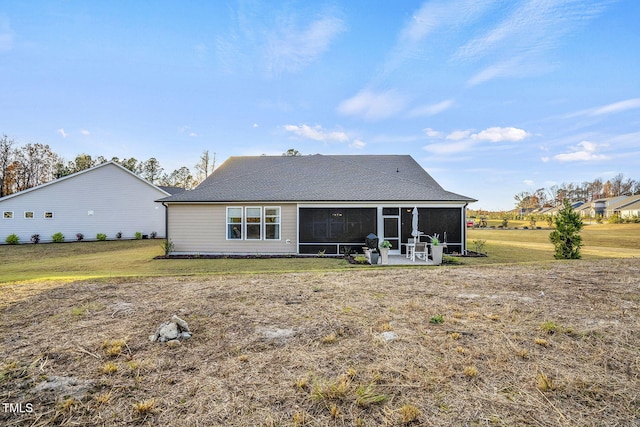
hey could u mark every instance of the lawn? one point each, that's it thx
(522, 340)
(548, 344)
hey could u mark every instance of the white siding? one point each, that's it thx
(106, 199)
(202, 229)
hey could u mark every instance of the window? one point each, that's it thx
(254, 223)
(48, 215)
(272, 223)
(28, 215)
(7, 215)
(234, 223)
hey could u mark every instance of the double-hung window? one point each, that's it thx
(253, 223)
(234, 223)
(272, 223)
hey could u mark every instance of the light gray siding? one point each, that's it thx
(202, 228)
(106, 199)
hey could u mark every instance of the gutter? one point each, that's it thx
(166, 220)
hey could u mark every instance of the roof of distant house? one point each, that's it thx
(355, 178)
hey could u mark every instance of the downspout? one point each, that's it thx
(464, 228)
(166, 221)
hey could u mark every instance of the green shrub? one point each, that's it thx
(566, 237)
(101, 236)
(167, 246)
(35, 238)
(12, 239)
(57, 238)
(138, 235)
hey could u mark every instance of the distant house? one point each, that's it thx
(628, 208)
(308, 204)
(106, 199)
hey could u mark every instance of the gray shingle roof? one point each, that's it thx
(318, 178)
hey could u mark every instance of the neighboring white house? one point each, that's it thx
(107, 199)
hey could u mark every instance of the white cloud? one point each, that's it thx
(193, 134)
(432, 109)
(357, 144)
(289, 49)
(499, 134)
(316, 133)
(85, 132)
(432, 133)
(523, 36)
(62, 133)
(373, 106)
(255, 125)
(457, 135)
(584, 151)
(616, 107)
(528, 182)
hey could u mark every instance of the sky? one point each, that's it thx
(491, 97)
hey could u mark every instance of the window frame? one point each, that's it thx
(48, 215)
(33, 215)
(7, 215)
(276, 224)
(230, 223)
(253, 223)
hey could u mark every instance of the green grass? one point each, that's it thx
(518, 246)
(83, 260)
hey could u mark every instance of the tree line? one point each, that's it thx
(586, 191)
(29, 165)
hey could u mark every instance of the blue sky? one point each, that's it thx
(490, 97)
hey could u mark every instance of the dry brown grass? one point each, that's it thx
(554, 344)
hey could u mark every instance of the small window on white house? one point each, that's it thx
(234, 223)
(48, 215)
(28, 215)
(253, 216)
(7, 215)
(272, 223)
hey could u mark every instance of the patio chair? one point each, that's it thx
(410, 247)
(421, 251)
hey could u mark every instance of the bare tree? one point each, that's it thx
(205, 166)
(6, 156)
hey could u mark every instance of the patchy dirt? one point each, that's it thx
(555, 344)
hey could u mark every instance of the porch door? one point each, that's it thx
(391, 227)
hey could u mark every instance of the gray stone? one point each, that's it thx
(66, 387)
(389, 336)
(184, 327)
(169, 331)
(186, 335)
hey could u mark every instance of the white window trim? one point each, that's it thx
(33, 215)
(4, 213)
(241, 223)
(278, 223)
(244, 223)
(247, 223)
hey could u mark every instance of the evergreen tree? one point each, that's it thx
(566, 237)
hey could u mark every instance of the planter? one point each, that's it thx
(436, 254)
(384, 256)
(375, 256)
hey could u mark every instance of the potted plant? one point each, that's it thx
(384, 252)
(436, 250)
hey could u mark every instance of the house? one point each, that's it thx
(628, 208)
(309, 204)
(106, 199)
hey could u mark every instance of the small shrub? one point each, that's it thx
(35, 238)
(366, 395)
(12, 239)
(167, 246)
(146, 407)
(566, 237)
(478, 246)
(101, 236)
(437, 319)
(153, 234)
(59, 237)
(545, 383)
(470, 371)
(109, 368)
(505, 222)
(138, 235)
(119, 235)
(79, 237)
